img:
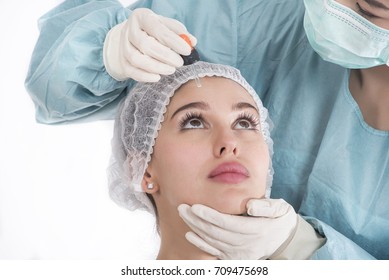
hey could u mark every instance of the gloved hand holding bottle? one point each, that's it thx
(145, 46)
(271, 230)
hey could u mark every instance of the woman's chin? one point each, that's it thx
(233, 200)
(229, 203)
(235, 207)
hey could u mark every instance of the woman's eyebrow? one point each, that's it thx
(197, 105)
(376, 4)
(243, 105)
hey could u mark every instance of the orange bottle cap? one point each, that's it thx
(186, 38)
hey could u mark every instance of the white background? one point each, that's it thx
(54, 202)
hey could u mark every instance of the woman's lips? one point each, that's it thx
(229, 173)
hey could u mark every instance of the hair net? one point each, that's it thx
(140, 118)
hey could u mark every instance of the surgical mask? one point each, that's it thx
(340, 35)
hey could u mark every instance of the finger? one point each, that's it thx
(143, 62)
(137, 74)
(168, 34)
(211, 237)
(270, 208)
(148, 25)
(232, 223)
(178, 28)
(234, 237)
(140, 34)
(208, 232)
(193, 39)
(163, 53)
(151, 47)
(201, 244)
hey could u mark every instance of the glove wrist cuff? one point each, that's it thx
(111, 50)
(303, 244)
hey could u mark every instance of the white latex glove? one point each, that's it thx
(303, 244)
(266, 232)
(145, 46)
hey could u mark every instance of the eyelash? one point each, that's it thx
(188, 116)
(253, 120)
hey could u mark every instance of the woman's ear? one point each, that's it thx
(148, 185)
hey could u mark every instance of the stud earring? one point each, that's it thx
(150, 186)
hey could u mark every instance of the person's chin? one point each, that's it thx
(234, 207)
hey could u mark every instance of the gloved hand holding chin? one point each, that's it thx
(270, 230)
(145, 46)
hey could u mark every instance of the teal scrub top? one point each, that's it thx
(329, 164)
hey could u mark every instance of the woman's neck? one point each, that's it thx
(174, 245)
(370, 89)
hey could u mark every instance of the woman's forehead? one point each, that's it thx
(213, 87)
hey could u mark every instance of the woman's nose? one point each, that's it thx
(226, 143)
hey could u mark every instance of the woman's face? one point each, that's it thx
(210, 149)
(376, 11)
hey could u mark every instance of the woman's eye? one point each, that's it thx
(192, 121)
(247, 121)
(243, 124)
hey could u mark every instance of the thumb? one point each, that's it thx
(267, 207)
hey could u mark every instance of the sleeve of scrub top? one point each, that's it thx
(337, 246)
(67, 79)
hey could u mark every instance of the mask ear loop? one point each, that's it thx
(191, 58)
